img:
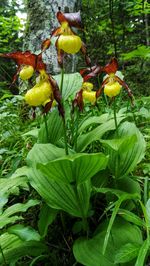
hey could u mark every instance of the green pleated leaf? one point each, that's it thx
(46, 217)
(44, 153)
(127, 253)
(122, 198)
(72, 83)
(148, 212)
(54, 130)
(84, 140)
(96, 120)
(104, 190)
(59, 195)
(26, 233)
(10, 186)
(8, 216)
(89, 252)
(131, 217)
(142, 253)
(83, 196)
(32, 133)
(7, 184)
(116, 144)
(74, 168)
(130, 152)
(14, 248)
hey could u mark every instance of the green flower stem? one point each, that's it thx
(64, 121)
(115, 117)
(62, 79)
(65, 136)
(76, 130)
(46, 126)
(146, 189)
(104, 95)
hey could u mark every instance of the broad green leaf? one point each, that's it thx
(142, 253)
(74, 168)
(7, 218)
(142, 51)
(104, 190)
(3, 201)
(85, 139)
(25, 233)
(14, 248)
(83, 193)
(130, 153)
(46, 217)
(22, 171)
(117, 144)
(54, 127)
(72, 83)
(7, 184)
(59, 195)
(124, 197)
(148, 212)
(101, 179)
(129, 185)
(89, 252)
(44, 153)
(32, 133)
(126, 253)
(20, 207)
(95, 120)
(131, 217)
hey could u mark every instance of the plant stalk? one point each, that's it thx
(115, 117)
(46, 126)
(65, 136)
(76, 130)
(64, 121)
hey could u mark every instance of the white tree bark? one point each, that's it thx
(41, 20)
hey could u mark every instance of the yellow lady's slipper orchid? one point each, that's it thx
(70, 44)
(112, 89)
(88, 86)
(38, 94)
(26, 72)
(89, 96)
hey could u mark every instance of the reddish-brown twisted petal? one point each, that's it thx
(78, 101)
(95, 71)
(47, 107)
(73, 19)
(26, 58)
(84, 52)
(22, 58)
(100, 90)
(123, 84)
(60, 54)
(45, 44)
(57, 95)
(56, 32)
(111, 67)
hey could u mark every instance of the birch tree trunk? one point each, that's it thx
(41, 20)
